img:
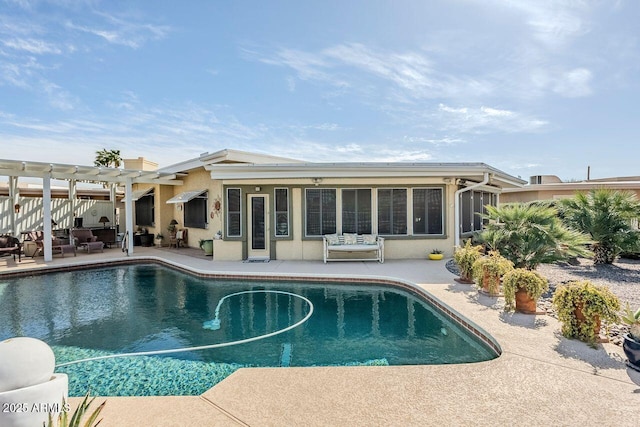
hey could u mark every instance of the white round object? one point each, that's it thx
(25, 362)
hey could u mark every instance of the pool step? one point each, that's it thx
(285, 355)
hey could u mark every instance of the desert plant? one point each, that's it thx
(108, 158)
(464, 257)
(78, 414)
(436, 251)
(488, 270)
(531, 234)
(632, 319)
(520, 278)
(597, 303)
(607, 217)
(159, 236)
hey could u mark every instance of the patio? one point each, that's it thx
(541, 377)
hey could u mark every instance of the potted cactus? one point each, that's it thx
(522, 288)
(464, 257)
(631, 343)
(582, 306)
(488, 270)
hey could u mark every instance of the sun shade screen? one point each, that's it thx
(135, 195)
(185, 197)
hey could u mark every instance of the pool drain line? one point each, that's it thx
(214, 325)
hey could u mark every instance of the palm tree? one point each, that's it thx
(108, 158)
(531, 234)
(607, 216)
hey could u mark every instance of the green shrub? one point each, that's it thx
(520, 278)
(465, 256)
(495, 266)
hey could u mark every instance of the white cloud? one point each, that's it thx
(38, 47)
(484, 119)
(445, 141)
(574, 83)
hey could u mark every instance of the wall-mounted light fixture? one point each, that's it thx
(258, 189)
(446, 180)
(316, 181)
(16, 208)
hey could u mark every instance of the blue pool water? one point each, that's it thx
(140, 308)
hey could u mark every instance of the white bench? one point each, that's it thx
(359, 246)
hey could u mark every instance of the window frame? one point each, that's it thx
(407, 218)
(306, 212)
(228, 212)
(202, 199)
(277, 213)
(152, 205)
(426, 208)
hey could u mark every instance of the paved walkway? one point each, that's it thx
(540, 379)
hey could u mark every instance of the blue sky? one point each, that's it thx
(529, 87)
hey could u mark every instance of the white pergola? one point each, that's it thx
(15, 169)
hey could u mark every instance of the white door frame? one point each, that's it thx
(258, 248)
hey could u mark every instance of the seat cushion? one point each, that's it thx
(332, 239)
(369, 239)
(350, 238)
(354, 248)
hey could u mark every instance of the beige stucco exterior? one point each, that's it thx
(253, 174)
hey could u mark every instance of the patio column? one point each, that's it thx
(128, 207)
(46, 207)
(13, 197)
(73, 197)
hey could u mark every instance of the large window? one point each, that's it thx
(392, 211)
(195, 212)
(234, 210)
(428, 216)
(282, 212)
(356, 211)
(320, 205)
(145, 210)
(472, 206)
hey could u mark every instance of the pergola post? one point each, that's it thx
(13, 196)
(128, 207)
(46, 207)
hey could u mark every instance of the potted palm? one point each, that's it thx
(631, 343)
(522, 288)
(464, 257)
(488, 270)
(582, 306)
(159, 238)
(436, 254)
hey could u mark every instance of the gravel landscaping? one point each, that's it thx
(622, 277)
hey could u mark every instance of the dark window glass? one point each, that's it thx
(282, 211)
(392, 211)
(233, 212)
(478, 209)
(258, 238)
(320, 211)
(195, 212)
(356, 211)
(144, 210)
(427, 211)
(466, 213)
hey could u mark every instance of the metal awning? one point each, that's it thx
(186, 196)
(135, 195)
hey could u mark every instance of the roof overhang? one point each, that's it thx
(186, 196)
(471, 172)
(579, 186)
(84, 173)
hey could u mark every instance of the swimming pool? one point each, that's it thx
(141, 308)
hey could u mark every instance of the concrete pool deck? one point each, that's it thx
(541, 378)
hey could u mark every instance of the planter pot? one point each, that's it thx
(436, 257)
(207, 247)
(598, 324)
(631, 349)
(524, 303)
(486, 279)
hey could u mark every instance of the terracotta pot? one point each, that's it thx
(486, 278)
(524, 303)
(581, 319)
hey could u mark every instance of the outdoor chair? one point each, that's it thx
(179, 239)
(11, 245)
(84, 238)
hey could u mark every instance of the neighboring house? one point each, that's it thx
(550, 187)
(268, 207)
